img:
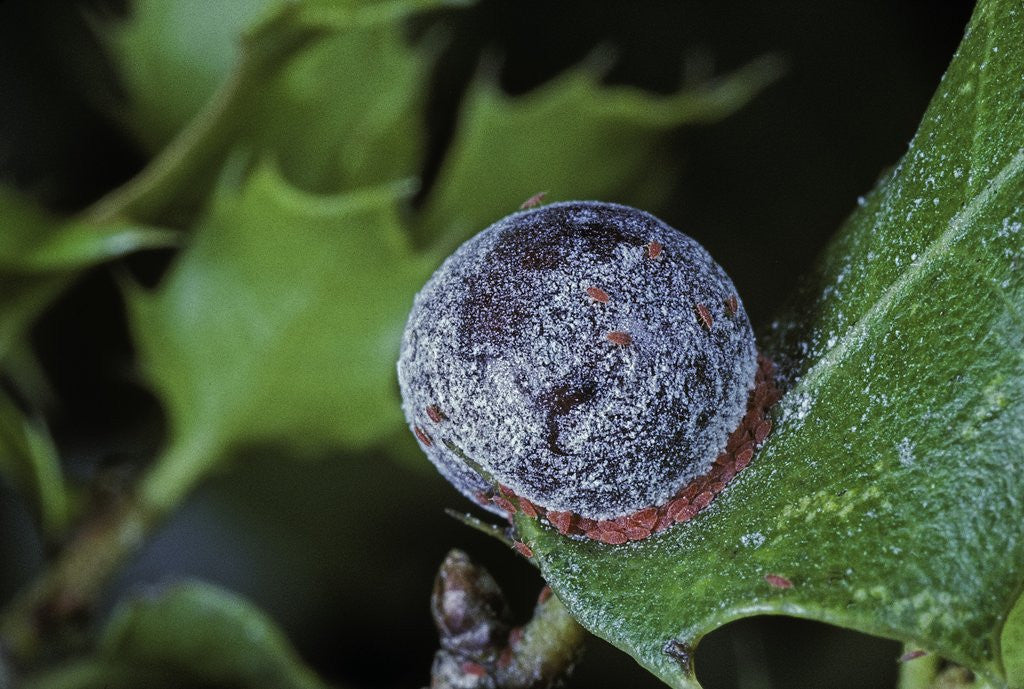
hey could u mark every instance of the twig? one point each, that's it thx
(480, 650)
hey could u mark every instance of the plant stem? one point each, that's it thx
(70, 585)
(477, 647)
(550, 644)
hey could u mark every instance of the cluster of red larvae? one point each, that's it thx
(695, 496)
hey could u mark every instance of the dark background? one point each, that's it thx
(342, 553)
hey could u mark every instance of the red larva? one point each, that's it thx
(704, 315)
(664, 521)
(515, 635)
(703, 500)
(533, 201)
(522, 549)
(743, 459)
(732, 305)
(422, 435)
(545, 593)
(528, 508)
(620, 338)
(637, 533)
(654, 249)
(644, 519)
(505, 504)
(676, 507)
(778, 581)
(686, 513)
(611, 537)
(435, 414)
(474, 669)
(911, 655)
(561, 521)
(597, 294)
(762, 431)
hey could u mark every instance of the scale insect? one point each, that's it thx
(585, 413)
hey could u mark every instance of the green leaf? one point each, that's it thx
(890, 493)
(29, 460)
(299, 93)
(171, 56)
(572, 138)
(280, 322)
(187, 634)
(1012, 644)
(41, 253)
(33, 241)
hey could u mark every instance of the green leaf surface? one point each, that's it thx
(29, 460)
(331, 91)
(33, 241)
(187, 635)
(1012, 643)
(281, 321)
(41, 253)
(572, 138)
(890, 493)
(171, 57)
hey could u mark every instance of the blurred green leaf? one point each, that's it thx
(187, 635)
(890, 493)
(1012, 644)
(300, 94)
(33, 241)
(349, 111)
(41, 253)
(22, 299)
(280, 322)
(171, 56)
(29, 460)
(572, 138)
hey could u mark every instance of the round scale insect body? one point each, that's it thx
(588, 359)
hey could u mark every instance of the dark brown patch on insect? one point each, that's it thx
(522, 549)
(676, 649)
(515, 635)
(422, 435)
(732, 305)
(704, 315)
(533, 201)
(623, 339)
(597, 294)
(778, 581)
(560, 402)
(435, 413)
(654, 249)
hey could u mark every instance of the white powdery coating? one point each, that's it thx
(505, 342)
